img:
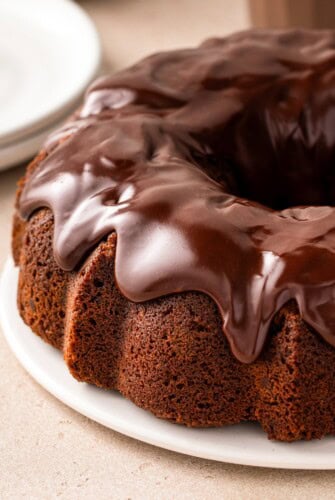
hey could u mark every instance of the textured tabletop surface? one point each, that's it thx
(46, 449)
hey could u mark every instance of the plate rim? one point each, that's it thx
(8, 282)
(44, 119)
(24, 150)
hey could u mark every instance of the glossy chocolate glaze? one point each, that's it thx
(167, 152)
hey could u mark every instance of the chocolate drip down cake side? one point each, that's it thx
(176, 238)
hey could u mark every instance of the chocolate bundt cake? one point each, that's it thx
(176, 238)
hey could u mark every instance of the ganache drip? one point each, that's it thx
(194, 158)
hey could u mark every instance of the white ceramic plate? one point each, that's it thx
(240, 444)
(18, 152)
(49, 53)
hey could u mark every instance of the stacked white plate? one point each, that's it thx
(49, 53)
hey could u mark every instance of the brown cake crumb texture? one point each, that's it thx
(169, 355)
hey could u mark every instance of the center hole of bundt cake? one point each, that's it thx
(277, 186)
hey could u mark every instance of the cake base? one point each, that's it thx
(243, 444)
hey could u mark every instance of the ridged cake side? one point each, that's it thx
(169, 355)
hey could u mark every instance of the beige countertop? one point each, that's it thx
(49, 451)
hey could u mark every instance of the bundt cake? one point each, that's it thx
(176, 238)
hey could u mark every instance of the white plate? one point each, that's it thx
(49, 53)
(21, 151)
(240, 444)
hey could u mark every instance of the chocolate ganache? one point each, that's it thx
(215, 167)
